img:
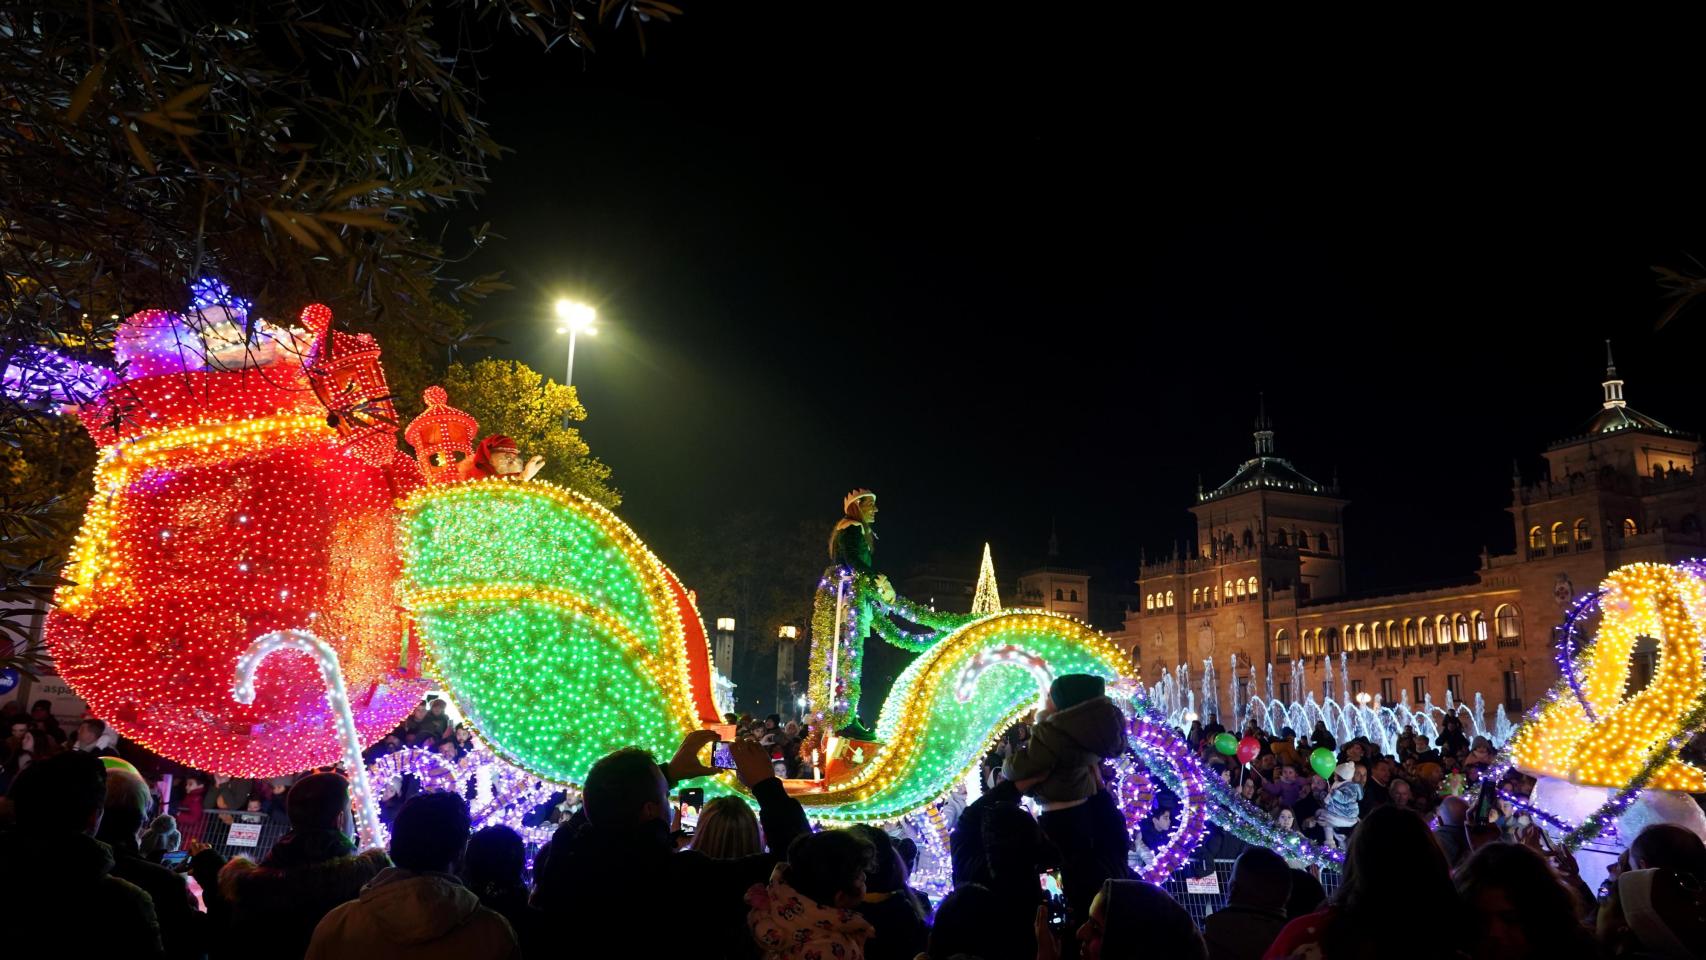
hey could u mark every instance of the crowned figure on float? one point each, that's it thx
(853, 600)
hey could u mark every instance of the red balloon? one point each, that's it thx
(1248, 748)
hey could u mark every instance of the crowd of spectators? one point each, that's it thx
(1041, 867)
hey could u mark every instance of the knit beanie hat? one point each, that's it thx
(162, 835)
(1072, 689)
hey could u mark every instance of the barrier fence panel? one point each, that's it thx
(1201, 886)
(249, 835)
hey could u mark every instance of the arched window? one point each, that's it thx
(1629, 528)
(1427, 633)
(1057, 594)
(1584, 533)
(1506, 622)
(1362, 637)
(1282, 643)
(1253, 591)
(1321, 543)
(1560, 536)
(1462, 623)
(1301, 538)
(1536, 538)
(1480, 623)
(1169, 599)
(1379, 639)
(1228, 593)
(1075, 596)
(1280, 538)
(1240, 587)
(1332, 641)
(1411, 634)
(1196, 597)
(1249, 538)
(1149, 602)
(1215, 591)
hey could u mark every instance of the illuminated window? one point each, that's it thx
(1253, 591)
(1629, 528)
(1306, 643)
(1584, 533)
(1560, 535)
(1228, 593)
(1332, 641)
(1427, 633)
(1379, 638)
(1196, 597)
(1410, 632)
(1462, 623)
(1240, 588)
(1361, 637)
(1507, 622)
(1536, 538)
(1480, 627)
(1149, 601)
(1282, 643)
(1169, 599)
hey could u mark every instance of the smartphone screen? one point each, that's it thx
(689, 818)
(722, 758)
(175, 859)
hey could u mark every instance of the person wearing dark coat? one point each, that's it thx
(58, 804)
(622, 871)
(888, 904)
(272, 908)
(492, 868)
(183, 927)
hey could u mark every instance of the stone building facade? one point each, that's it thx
(1268, 581)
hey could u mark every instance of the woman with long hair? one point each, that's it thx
(1392, 859)
(1518, 908)
(727, 830)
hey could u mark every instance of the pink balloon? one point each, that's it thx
(1248, 748)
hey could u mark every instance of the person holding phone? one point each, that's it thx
(183, 928)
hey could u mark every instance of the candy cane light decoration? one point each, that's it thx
(243, 691)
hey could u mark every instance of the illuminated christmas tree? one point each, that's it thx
(987, 599)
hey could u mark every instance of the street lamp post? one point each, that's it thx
(574, 319)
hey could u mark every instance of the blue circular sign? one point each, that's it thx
(8, 680)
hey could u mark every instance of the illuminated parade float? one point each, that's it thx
(265, 583)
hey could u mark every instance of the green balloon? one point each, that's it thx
(1226, 743)
(1322, 761)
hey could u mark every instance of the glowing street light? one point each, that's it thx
(788, 633)
(1363, 698)
(574, 319)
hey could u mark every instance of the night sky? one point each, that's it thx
(1011, 273)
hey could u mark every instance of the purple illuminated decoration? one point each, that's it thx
(37, 374)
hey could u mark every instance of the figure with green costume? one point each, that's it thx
(853, 599)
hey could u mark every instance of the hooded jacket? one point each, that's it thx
(89, 912)
(788, 924)
(1068, 745)
(423, 916)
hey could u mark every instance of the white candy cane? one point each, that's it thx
(243, 691)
